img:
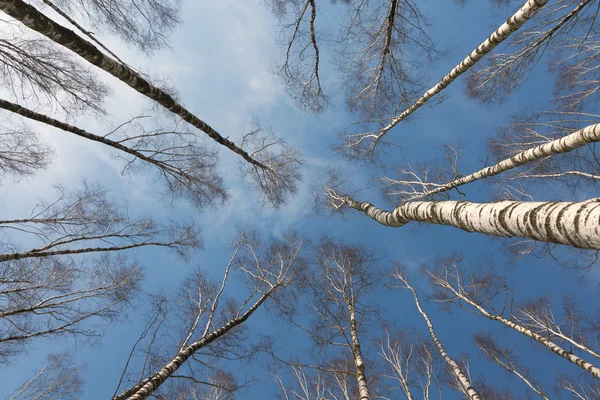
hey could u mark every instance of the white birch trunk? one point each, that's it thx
(535, 336)
(595, 371)
(528, 10)
(361, 378)
(148, 386)
(582, 137)
(462, 378)
(574, 224)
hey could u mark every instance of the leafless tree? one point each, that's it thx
(494, 79)
(489, 392)
(52, 289)
(143, 24)
(88, 221)
(279, 180)
(545, 155)
(333, 308)
(414, 364)
(580, 388)
(487, 294)
(59, 378)
(37, 72)
(307, 383)
(33, 19)
(301, 66)
(459, 375)
(187, 167)
(382, 44)
(211, 326)
(51, 297)
(527, 131)
(505, 358)
(364, 144)
(21, 152)
(571, 327)
(489, 218)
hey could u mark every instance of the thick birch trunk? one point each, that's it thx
(33, 19)
(529, 9)
(145, 388)
(462, 378)
(361, 378)
(582, 137)
(574, 224)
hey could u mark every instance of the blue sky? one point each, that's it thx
(220, 61)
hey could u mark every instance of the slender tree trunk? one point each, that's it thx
(361, 378)
(27, 113)
(574, 224)
(529, 333)
(145, 388)
(38, 254)
(595, 371)
(582, 137)
(528, 10)
(462, 378)
(33, 19)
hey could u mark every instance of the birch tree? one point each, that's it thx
(73, 275)
(381, 44)
(513, 149)
(49, 298)
(464, 383)
(22, 153)
(364, 144)
(505, 358)
(343, 279)
(413, 363)
(143, 24)
(579, 388)
(500, 74)
(88, 221)
(300, 69)
(58, 378)
(215, 325)
(186, 166)
(545, 221)
(476, 293)
(310, 384)
(570, 327)
(33, 19)
(38, 73)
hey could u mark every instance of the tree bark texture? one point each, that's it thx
(528, 10)
(573, 224)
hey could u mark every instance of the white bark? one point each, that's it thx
(525, 331)
(359, 363)
(574, 224)
(462, 378)
(528, 10)
(580, 138)
(595, 371)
